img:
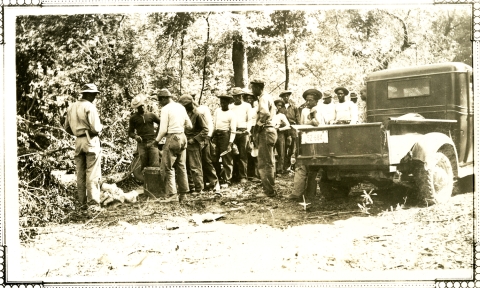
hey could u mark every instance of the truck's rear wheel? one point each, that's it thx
(435, 185)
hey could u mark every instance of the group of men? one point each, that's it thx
(204, 150)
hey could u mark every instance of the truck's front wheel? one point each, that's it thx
(435, 185)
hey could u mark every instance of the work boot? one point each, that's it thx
(243, 180)
(171, 198)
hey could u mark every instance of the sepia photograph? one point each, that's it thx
(238, 144)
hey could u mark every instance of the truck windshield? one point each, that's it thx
(409, 88)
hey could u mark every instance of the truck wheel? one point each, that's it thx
(435, 185)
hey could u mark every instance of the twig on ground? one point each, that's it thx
(93, 218)
(148, 251)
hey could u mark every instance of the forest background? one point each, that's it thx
(202, 54)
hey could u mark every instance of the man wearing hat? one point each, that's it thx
(195, 138)
(293, 117)
(141, 122)
(309, 116)
(173, 170)
(83, 122)
(252, 167)
(327, 109)
(266, 136)
(283, 126)
(225, 126)
(209, 173)
(241, 110)
(345, 111)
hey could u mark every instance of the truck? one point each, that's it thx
(418, 134)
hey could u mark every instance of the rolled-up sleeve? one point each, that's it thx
(94, 120)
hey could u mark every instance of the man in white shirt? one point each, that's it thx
(266, 136)
(345, 111)
(173, 121)
(225, 126)
(252, 166)
(241, 110)
(327, 109)
(293, 117)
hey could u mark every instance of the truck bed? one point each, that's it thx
(360, 144)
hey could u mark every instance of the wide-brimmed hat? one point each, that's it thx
(237, 91)
(316, 94)
(279, 101)
(225, 96)
(247, 92)
(138, 101)
(185, 100)
(89, 88)
(285, 92)
(345, 90)
(164, 93)
(258, 81)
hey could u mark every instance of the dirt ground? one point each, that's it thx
(258, 239)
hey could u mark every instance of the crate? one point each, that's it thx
(152, 182)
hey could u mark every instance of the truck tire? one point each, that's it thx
(435, 185)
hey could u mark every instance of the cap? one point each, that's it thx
(247, 92)
(327, 96)
(164, 93)
(237, 91)
(345, 90)
(257, 81)
(89, 88)
(353, 95)
(317, 94)
(279, 101)
(138, 101)
(185, 100)
(284, 92)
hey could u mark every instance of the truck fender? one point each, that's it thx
(425, 148)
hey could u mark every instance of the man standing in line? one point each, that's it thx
(141, 122)
(252, 167)
(242, 138)
(173, 121)
(266, 136)
(345, 111)
(283, 126)
(195, 138)
(293, 115)
(309, 116)
(362, 106)
(327, 109)
(209, 173)
(83, 122)
(225, 126)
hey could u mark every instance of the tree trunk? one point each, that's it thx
(239, 59)
(287, 71)
(205, 58)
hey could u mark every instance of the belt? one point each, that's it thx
(224, 131)
(241, 129)
(175, 133)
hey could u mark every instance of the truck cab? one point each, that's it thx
(419, 133)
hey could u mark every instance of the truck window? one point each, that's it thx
(409, 88)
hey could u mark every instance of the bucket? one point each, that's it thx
(152, 183)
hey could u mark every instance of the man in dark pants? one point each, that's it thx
(195, 138)
(225, 127)
(142, 122)
(173, 170)
(293, 117)
(209, 173)
(241, 110)
(266, 136)
(83, 122)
